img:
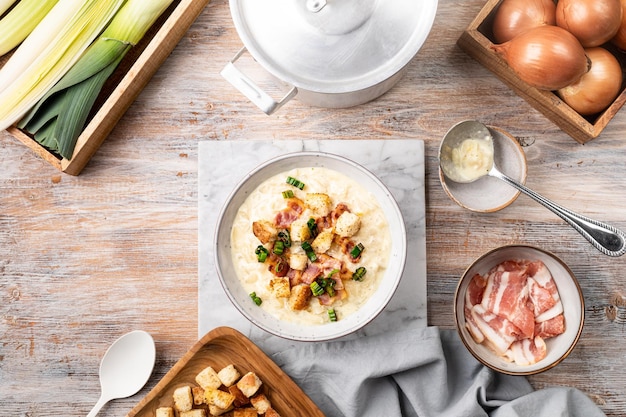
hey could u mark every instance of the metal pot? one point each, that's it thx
(331, 53)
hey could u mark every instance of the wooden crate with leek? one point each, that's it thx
(62, 90)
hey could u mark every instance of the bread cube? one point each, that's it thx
(300, 296)
(198, 395)
(319, 204)
(298, 261)
(260, 403)
(218, 398)
(228, 375)
(265, 231)
(197, 412)
(164, 412)
(300, 231)
(249, 384)
(183, 400)
(322, 241)
(216, 411)
(245, 412)
(280, 288)
(348, 224)
(271, 413)
(207, 378)
(240, 399)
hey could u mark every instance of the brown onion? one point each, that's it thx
(593, 22)
(514, 17)
(596, 90)
(620, 37)
(546, 57)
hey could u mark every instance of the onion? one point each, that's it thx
(514, 17)
(596, 90)
(620, 38)
(593, 22)
(546, 57)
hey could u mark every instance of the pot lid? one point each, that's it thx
(333, 46)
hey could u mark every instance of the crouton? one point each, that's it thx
(183, 400)
(198, 395)
(264, 231)
(260, 403)
(298, 261)
(245, 412)
(240, 399)
(197, 412)
(280, 288)
(228, 375)
(207, 378)
(271, 413)
(300, 296)
(221, 399)
(249, 384)
(216, 411)
(300, 231)
(348, 224)
(319, 204)
(322, 242)
(164, 412)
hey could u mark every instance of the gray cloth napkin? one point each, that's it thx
(418, 372)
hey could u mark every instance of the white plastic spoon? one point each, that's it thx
(125, 367)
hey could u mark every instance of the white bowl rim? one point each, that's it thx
(356, 320)
(538, 367)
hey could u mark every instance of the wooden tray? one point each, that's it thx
(477, 41)
(218, 348)
(134, 72)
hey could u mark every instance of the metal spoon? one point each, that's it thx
(125, 367)
(606, 238)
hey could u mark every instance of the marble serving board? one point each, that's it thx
(399, 164)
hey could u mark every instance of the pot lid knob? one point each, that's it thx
(315, 5)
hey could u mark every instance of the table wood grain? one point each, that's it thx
(85, 259)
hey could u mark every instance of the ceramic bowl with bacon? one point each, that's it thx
(519, 310)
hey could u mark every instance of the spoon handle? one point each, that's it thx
(96, 408)
(606, 238)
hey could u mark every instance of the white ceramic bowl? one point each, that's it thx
(559, 347)
(240, 297)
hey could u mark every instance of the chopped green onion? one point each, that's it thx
(280, 266)
(261, 253)
(333, 272)
(279, 247)
(312, 225)
(330, 290)
(296, 183)
(285, 237)
(287, 194)
(356, 251)
(257, 300)
(310, 253)
(316, 288)
(359, 273)
(332, 315)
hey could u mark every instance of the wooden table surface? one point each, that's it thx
(85, 259)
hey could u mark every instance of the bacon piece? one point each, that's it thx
(327, 300)
(473, 296)
(540, 297)
(499, 332)
(288, 215)
(528, 351)
(550, 328)
(277, 265)
(506, 295)
(311, 272)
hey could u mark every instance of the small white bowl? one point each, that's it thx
(559, 347)
(263, 319)
(491, 194)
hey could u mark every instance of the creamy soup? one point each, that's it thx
(267, 200)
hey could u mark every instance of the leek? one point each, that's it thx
(58, 118)
(5, 4)
(48, 53)
(20, 21)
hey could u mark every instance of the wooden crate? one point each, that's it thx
(477, 41)
(134, 72)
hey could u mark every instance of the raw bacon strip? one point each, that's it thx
(542, 299)
(506, 295)
(499, 332)
(473, 296)
(528, 351)
(550, 328)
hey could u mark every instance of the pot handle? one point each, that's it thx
(248, 88)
